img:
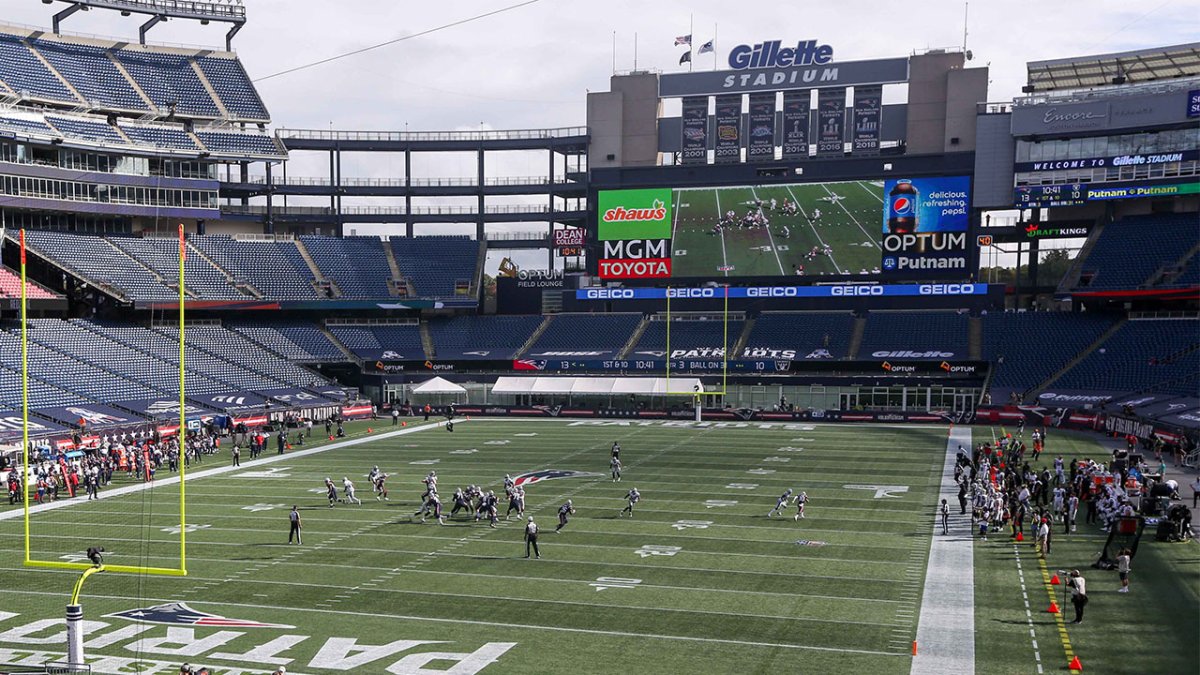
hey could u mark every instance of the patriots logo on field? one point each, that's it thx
(179, 614)
(550, 474)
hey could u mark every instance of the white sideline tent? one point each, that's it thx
(438, 385)
(598, 386)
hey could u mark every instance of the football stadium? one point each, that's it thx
(791, 350)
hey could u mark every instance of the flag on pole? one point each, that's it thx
(683, 40)
(706, 47)
(22, 247)
(182, 244)
(686, 58)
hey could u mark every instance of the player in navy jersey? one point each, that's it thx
(564, 511)
(330, 491)
(781, 503)
(516, 502)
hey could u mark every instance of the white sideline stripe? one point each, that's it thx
(493, 624)
(946, 628)
(250, 464)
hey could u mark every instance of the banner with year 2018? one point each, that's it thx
(831, 122)
(728, 117)
(694, 149)
(868, 105)
(795, 123)
(761, 127)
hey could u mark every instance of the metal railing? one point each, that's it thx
(230, 8)
(1105, 92)
(492, 135)
(515, 236)
(322, 181)
(389, 210)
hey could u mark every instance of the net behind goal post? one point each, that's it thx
(681, 332)
(139, 516)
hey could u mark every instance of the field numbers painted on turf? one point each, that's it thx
(717, 503)
(273, 472)
(76, 557)
(777, 459)
(500, 442)
(681, 251)
(186, 528)
(426, 461)
(761, 472)
(742, 486)
(318, 490)
(602, 583)
(692, 524)
(654, 549)
(881, 491)
(468, 451)
(268, 507)
(788, 448)
(802, 440)
(526, 435)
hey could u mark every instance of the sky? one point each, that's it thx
(531, 67)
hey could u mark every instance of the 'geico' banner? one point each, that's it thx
(839, 291)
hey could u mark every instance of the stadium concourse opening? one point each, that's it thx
(805, 353)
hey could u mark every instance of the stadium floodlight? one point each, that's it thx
(204, 11)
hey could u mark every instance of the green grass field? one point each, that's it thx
(849, 225)
(699, 581)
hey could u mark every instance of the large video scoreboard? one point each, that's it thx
(908, 228)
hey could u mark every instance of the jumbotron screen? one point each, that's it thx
(892, 227)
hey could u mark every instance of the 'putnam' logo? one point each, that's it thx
(179, 614)
(655, 213)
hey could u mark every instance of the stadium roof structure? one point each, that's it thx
(204, 11)
(1145, 65)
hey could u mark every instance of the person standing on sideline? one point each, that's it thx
(1196, 492)
(395, 415)
(294, 518)
(1123, 569)
(1079, 596)
(237, 455)
(531, 535)
(962, 498)
(945, 511)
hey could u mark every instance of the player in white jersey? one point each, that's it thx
(348, 492)
(801, 500)
(781, 503)
(615, 467)
(633, 497)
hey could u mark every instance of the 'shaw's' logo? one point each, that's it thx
(657, 212)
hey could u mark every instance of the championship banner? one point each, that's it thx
(762, 127)
(729, 129)
(695, 130)
(795, 124)
(868, 105)
(831, 122)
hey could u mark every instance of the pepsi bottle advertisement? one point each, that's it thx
(925, 226)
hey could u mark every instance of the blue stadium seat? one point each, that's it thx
(367, 340)
(155, 135)
(169, 81)
(1035, 345)
(1160, 355)
(298, 341)
(275, 268)
(890, 335)
(92, 130)
(1130, 250)
(96, 260)
(575, 334)
(162, 256)
(805, 333)
(22, 71)
(32, 126)
(356, 264)
(220, 142)
(436, 265)
(481, 337)
(687, 334)
(92, 73)
(229, 79)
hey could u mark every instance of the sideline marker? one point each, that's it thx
(1054, 581)
(1075, 664)
(1053, 609)
(914, 647)
(1020, 537)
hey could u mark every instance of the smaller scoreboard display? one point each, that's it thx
(1075, 194)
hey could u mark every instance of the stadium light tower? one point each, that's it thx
(204, 11)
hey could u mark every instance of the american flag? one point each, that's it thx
(683, 40)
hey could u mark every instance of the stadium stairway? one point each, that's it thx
(353, 358)
(1037, 391)
(634, 338)
(856, 338)
(212, 91)
(132, 82)
(1170, 273)
(975, 338)
(427, 341)
(1071, 278)
(739, 345)
(316, 271)
(240, 284)
(537, 333)
(173, 285)
(49, 66)
(397, 277)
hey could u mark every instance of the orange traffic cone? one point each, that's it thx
(1054, 580)
(914, 647)
(1053, 609)
(1075, 664)
(331, 438)
(1020, 537)
(369, 430)
(404, 424)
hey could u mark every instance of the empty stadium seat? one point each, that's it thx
(1028, 347)
(10, 287)
(805, 333)
(481, 337)
(157, 135)
(23, 72)
(275, 268)
(687, 335)
(1161, 355)
(229, 79)
(603, 335)
(356, 264)
(368, 340)
(914, 335)
(93, 130)
(220, 142)
(169, 81)
(1130, 250)
(298, 341)
(98, 261)
(162, 255)
(92, 73)
(436, 265)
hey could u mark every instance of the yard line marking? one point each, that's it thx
(492, 624)
(836, 268)
(843, 206)
(770, 238)
(870, 192)
(1059, 621)
(946, 627)
(724, 257)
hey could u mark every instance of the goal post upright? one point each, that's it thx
(724, 349)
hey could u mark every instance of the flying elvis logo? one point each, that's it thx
(179, 614)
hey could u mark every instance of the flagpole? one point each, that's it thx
(691, 38)
(714, 47)
(614, 70)
(635, 51)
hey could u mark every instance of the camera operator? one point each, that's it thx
(1079, 596)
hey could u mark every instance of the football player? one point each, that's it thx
(348, 490)
(780, 503)
(564, 511)
(330, 491)
(516, 502)
(615, 467)
(380, 489)
(801, 500)
(633, 497)
(461, 502)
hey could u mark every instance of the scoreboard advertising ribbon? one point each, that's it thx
(925, 224)
(634, 232)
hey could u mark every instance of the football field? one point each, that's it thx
(850, 224)
(699, 580)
